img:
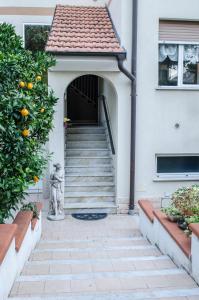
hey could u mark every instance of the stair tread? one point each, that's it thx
(90, 157)
(90, 149)
(89, 194)
(105, 174)
(86, 127)
(87, 134)
(89, 184)
(90, 205)
(152, 293)
(87, 166)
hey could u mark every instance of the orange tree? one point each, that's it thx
(26, 114)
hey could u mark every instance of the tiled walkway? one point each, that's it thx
(107, 259)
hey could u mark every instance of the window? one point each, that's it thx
(178, 65)
(178, 53)
(35, 36)
(168, 65)
(184, 164)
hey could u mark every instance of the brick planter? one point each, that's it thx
(16, 243)
(170, 239)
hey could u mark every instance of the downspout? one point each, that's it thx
(132, 77)
(133, 105)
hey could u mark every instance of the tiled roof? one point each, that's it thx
(82, 29)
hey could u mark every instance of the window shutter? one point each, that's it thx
(179, 31)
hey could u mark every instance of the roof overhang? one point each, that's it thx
(122, 55)
(66, 63)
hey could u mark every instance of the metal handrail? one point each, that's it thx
(90, 100)
(103, 98)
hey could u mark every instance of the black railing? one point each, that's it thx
(102, 97)
(83, 95)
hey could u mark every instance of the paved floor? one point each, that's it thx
(106, 259)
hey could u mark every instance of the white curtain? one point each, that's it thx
(170, 51)
(191, 54)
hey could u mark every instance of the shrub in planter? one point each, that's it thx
(186, 200)
(31, 207)
(172, 213)
(26, 114)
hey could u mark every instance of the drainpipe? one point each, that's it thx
(132, 77)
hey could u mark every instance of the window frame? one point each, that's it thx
(34, 24)
(183, 176)
(180, 66)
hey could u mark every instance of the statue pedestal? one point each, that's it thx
(56, 218)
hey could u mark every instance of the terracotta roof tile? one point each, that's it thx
(82, 29)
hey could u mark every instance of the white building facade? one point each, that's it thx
(167, 87)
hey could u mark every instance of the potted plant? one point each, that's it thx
(172, 213)
(186, 200)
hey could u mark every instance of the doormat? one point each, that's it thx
(90, 216)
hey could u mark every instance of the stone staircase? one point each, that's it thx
(100, 260)
(89, 173)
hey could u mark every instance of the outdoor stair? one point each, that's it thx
(89, 172)
(100, 260)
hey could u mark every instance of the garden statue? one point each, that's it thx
(56, 212)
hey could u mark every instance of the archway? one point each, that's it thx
(90, 162)
(82, 100)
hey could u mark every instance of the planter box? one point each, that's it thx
(17, 240)
(170, 239)
(146, 219)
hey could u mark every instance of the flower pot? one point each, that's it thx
(174, 218)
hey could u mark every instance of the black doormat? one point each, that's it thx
(89, 216)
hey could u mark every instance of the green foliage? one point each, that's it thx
(31, 207)
(192, 219)
(36, 37)
(22, 159)
(186, 200)
(171, 211)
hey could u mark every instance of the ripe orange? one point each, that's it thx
(36, 179)
(30, 85)
(42, 109)
(26, 132)
(24, 112)
(22, 84)
(38, 78)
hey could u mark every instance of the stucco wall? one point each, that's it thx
(59, 80)
(50, 3)
(159, 110)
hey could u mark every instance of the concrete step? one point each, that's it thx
(69, 210)
(86, 144)
(95, 207)
(88, 199)
(98, 177)
(95, 243)
(85, 137)
(92, 188)
(88, 169)
(87, 152)
(149, 294)
(86, 161)
(99, 275)
(86, 129)
(89, 194)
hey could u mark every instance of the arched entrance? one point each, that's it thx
(90, 162)
(83, 180)
(82, 100)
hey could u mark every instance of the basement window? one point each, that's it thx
(173, 166)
